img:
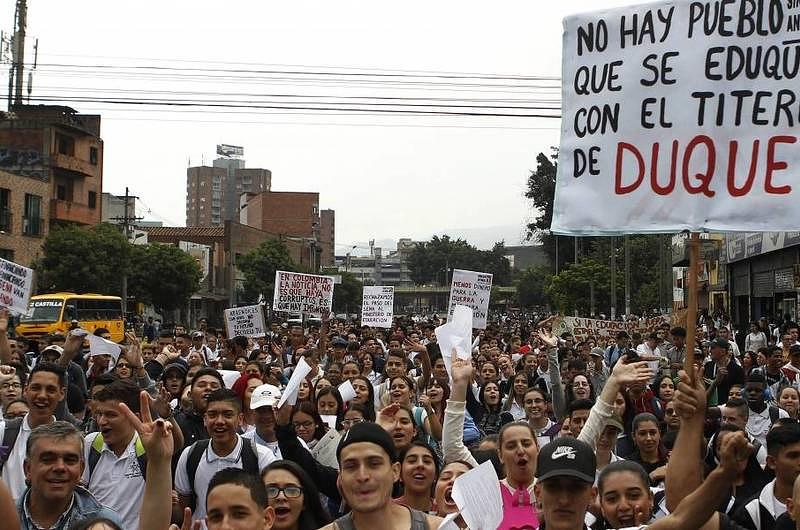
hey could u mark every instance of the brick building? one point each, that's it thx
(295, 216)
(51, 173)
(212, 193)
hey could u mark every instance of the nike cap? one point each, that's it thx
(566, 457)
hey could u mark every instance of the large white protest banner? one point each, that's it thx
(471, 289)
(15, 286)
(245, 321)
(302, 293)
(377, 306)
(680, 116)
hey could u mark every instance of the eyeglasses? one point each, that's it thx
(352, 421)
(290, 492)
(123, 365)
(6, 386)
(303, 425)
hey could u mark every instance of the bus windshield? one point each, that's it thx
(43, 311)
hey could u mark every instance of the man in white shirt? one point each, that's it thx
(44, 390)
(115, 459)
(199, 462)
(264, 398)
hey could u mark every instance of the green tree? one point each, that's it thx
(433, 261)
(259, 266)
(348, 294)
(83, 260)
(532, 285)
(570, 289)
(163, 275)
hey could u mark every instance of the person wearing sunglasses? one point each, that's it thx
(294, 497)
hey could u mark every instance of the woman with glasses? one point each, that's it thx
(320, 440)
(355, 414)
(294, 497)
(11, 383)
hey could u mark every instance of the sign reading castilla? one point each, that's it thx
(679, 116)
(302, 293)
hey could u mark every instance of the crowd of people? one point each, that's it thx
(188, 428)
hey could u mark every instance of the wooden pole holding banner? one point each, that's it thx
(691, 302)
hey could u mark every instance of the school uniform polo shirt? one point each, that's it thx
(210, 464)
(116, 481)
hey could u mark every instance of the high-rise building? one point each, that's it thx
(327, 237)
(212, 193)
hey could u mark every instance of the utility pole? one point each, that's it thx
(613, 277)
(18, 55)
(125, 221)
(627, 275)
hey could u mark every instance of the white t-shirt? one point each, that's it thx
(210, 464)
(116, 482)
(13, 473)
(251, 434)
(759, 424)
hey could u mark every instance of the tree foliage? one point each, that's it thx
(432, 262)
(532, 285)
(163, 275)
(83, 260)
(570, 289)
(259, 265)
(347, 295)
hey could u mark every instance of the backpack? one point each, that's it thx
(10, 436)
(96, 449)
(249, 456)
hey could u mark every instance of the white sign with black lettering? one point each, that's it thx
(471, 289)
(246, 321)
(302, 293)
(377, 306)
(15, 286)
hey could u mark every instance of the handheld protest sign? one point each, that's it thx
(676, 114)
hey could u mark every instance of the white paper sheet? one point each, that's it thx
(101, 346)
(347, 391)
(477, 495)
(456, 334)
(329, 419)
(290, 392)
(449, 522)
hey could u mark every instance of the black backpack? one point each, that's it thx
(249, 456)
(10, 436)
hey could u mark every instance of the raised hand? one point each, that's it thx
(3, 320)
(387, 416)
(734, 453)
(548, 338)
(461, 369)
(187, 522)
(690, 396)
(631, 373)
(156, 435)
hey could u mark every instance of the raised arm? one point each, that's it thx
(156, 437)
(453, 429)
(556, 384)
(623, 375)
(5, 347)
(698, 509)
(72, 346)
(684, 472)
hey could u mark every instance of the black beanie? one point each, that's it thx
(368, 432)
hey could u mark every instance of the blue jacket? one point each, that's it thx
(84, 506)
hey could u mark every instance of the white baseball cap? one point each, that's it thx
(265, 396)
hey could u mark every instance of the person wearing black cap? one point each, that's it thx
(565, 473)
(368, 468)
(721, 372)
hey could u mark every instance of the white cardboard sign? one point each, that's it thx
(377, 306)
(15, 286)
(302, 293)
(245, 321)
(471, 289)
(680, 115)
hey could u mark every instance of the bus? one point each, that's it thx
(54, 313)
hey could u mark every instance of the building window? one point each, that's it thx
(5, 210)
(92, 199)
(65, 144)
(7, 254)
(61, 192)
(93, 152)
(32, 222)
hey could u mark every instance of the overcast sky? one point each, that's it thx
(386, 176)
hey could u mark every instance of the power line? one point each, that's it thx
(177, 103)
